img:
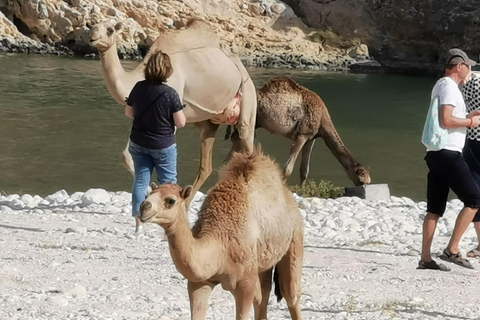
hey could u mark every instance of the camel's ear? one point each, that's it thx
(119, 26)
(185, 193)
(154, 185)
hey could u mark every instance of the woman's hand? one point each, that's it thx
(129, 112)
(473, 114)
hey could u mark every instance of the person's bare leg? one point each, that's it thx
(477, 229)
(429, 226)
(463, 220)
(472, 253)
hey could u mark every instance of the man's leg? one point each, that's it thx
(429, 226)
(437, 195)
(464, 219)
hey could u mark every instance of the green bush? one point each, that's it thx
(324, 189)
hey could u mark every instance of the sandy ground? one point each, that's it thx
(89, 266)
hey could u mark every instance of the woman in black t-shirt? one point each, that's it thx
(156, 109)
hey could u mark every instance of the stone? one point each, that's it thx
(379, 192)
(77, 292)
(372, 66)
(77, 196)
(95, 196)
(277, 8)
(79, 230)
(58, 197)
(58, 300)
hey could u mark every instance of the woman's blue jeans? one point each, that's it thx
(163, 160)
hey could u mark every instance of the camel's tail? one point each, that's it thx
(278, 293)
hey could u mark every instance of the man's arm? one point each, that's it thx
(451, 122)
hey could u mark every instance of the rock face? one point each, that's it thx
(408, 35)
(264, 32)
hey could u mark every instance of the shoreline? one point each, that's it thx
(283, 60)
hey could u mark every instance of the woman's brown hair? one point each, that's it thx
(158, 68)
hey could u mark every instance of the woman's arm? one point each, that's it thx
(129, 111)
(179, 119)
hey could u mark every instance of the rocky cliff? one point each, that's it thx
(265, 33)
(403, 35)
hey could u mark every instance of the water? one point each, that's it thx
(60, 129)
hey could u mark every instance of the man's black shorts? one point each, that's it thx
(449, 170)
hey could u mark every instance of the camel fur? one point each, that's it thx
(208, 80)
(248, 225)
(290, 110)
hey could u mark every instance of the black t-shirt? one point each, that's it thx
(154, 105)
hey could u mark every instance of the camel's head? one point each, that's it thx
(103, 34)
(164, 204)
(359, 175)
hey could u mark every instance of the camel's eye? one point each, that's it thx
(169, 202)
(109, 31)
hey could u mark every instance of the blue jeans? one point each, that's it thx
(144, 160)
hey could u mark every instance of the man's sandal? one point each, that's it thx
(432, 265)
(455, 258)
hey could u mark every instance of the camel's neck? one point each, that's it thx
(118, 81)
(197, 259)
(335, 144)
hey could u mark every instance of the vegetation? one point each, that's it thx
(324, 189)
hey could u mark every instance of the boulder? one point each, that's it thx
(95, 196)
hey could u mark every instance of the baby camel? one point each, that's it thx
(248, 225)
(287, 109)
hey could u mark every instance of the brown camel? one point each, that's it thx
(248, 225)
(290, 110)
(214, 85)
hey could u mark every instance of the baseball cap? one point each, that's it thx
(456, 56)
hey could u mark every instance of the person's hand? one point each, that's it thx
(473, 114)
(466, 79)
(475, 122)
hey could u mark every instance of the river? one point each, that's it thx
(60, 129)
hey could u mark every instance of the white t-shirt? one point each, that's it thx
(449, 93)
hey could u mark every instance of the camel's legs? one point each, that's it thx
(265, 280)
(305, 164)
(294, 151)
(290, 274)
(198, 292)
(207, 139)
(246, 122)
(244, 294)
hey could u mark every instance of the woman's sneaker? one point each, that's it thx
(138, 230)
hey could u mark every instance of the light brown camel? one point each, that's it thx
(290, 110)
(248, 225)
(214, 85)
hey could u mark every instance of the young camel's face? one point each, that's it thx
(164, 204)
(359, 175)
(103, 35)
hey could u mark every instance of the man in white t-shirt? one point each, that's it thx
(447, 168)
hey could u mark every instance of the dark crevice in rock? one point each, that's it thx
(21, 26)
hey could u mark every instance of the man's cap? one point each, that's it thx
(456, 56)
